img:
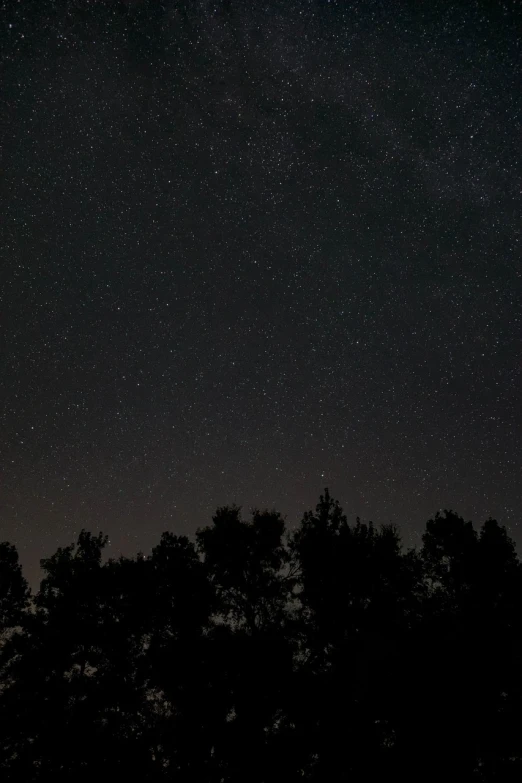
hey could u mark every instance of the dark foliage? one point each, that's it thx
(327, 653)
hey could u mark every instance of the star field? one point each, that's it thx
(253, 250)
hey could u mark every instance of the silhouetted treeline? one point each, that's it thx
(253, 654)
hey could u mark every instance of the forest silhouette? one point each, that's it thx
(255, 653)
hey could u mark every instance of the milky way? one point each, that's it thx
(253, 250)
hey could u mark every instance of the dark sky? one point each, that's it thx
(250, 250)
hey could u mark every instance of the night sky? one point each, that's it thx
(250, 250)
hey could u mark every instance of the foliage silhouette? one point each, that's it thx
(324, 653)
(14, 592)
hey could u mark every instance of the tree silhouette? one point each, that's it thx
(255, 653)
(359, 598)
(14, 592)
(248, 565)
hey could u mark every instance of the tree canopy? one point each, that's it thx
(328, 652)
